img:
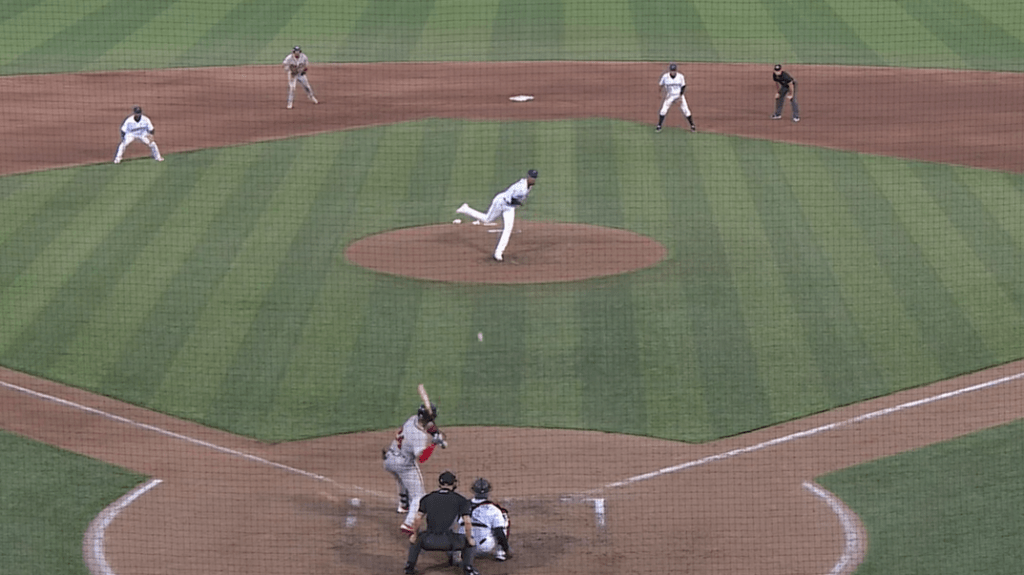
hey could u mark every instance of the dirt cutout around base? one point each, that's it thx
(228, 504)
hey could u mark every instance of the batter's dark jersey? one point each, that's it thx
(442, 508)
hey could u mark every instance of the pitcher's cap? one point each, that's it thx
(137, 109)
(296, 49)
(672, 66)
(532, 173)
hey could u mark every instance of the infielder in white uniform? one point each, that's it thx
(490, 523)
(137, 127)
(413, 444)
(296, 64)
(672, 86)
(504, 205)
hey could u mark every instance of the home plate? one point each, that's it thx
(521, 98)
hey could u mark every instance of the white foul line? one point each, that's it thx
(810, 432)
(94, 535)
(853, 550)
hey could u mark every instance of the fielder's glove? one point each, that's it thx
(515, 202)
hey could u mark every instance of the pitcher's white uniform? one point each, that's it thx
(487, 516)
(296, 64)
(504, 205)
(411, 446)
(137, 127)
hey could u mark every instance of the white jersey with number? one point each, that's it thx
(137, 128)
(673, 85)
(302, 61)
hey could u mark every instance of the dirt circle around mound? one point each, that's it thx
(539, 252)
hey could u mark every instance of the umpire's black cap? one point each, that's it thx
(137, 110)
(532, 173)
(447, 478)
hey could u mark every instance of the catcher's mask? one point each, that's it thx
(481, 487)
(427, 415)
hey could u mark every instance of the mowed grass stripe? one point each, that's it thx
(528, 30)
(457, 30)
(735, 397)
(472, 171)
(29, 205)
(126, 303)
(985, 263)
(37, 27)
(774, 279)
(72, 308)
(978, 41)
(69, 234)
(744, 32)
(672, 31)
(553, 390)
(667, 361)
(887, 29)
(236, 36)
(275, 282)
(920, 258)
(818, 34)
(315, 376)
(386, 32)
(318, 26)
(163, 40)
(213, 232)
(597, 25)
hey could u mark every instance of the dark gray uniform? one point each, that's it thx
(442, 508)
(783, 80)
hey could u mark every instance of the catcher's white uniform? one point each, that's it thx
(504, 205)
(486, 517)
(137, 127)
(411, 446)
(296, 64)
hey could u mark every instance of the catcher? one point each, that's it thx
(297, 64)
(413, 444)
(137, 127)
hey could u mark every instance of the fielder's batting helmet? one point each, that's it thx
(481, 487)
(427, 415)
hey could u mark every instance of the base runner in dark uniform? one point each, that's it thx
(783, 80)
(441, 508)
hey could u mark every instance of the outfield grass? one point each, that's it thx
(947, 509)
(47, 505)
(213, 286)
(61, 36)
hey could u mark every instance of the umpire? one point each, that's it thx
(783, 80)
(441, 508)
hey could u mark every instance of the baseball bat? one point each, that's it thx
(426, 399)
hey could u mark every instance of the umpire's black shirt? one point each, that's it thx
(442, 508)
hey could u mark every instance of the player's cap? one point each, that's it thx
(296, 49)
(137, 109)
(447, 478)
(778, 67)
(671, 66)
(532, 173)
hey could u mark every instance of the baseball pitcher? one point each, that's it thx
(413, 444)
(490, 522)
(296, 64)
(137, 127)
(504, 205)
(672, 85)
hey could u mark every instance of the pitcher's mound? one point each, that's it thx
(539, 252)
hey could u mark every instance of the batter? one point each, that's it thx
(672, 86)
(137, 127)
(296, 64)
(413, 444)
(504, 205)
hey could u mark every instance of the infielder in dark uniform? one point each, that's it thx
(441, 508)
(783, 80)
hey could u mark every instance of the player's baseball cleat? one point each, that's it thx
(497, 258)
(289, 105)
(402, 510)
(796, 119)
(776, 117)
(160, 159)
(657, 128)
(407, 529)
(409, 569)
(117, 160)
(499, 555)
(693, 128)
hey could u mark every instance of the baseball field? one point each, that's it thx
(760, 347)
